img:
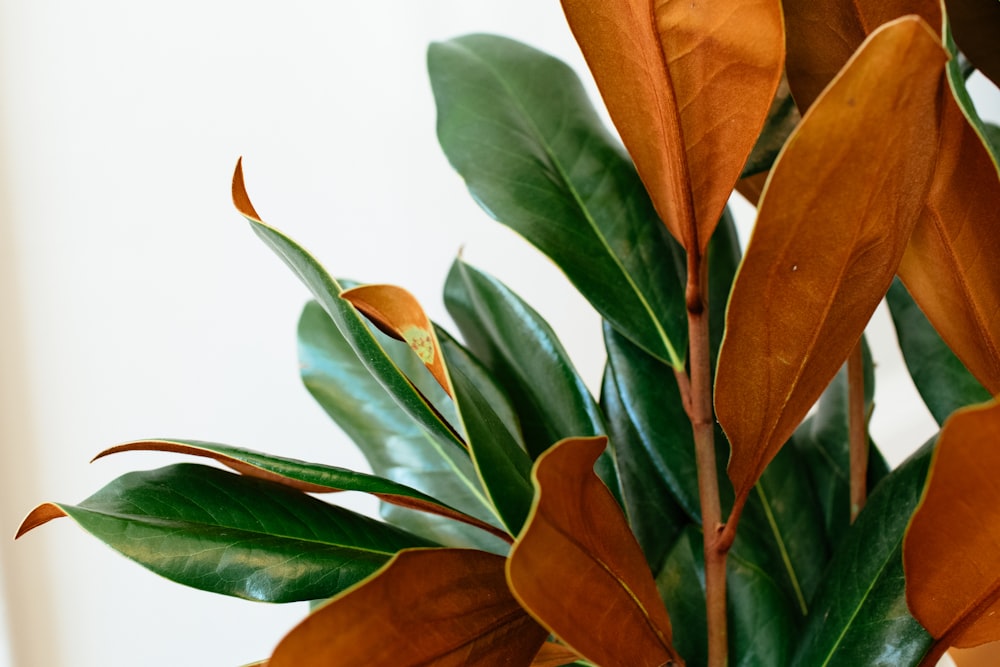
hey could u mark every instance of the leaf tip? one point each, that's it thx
(240, 198)
(41, 514)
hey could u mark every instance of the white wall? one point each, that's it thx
(136, 303)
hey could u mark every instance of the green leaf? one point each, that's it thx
(653, 513)
(957, 80)
(653, 440)
(524, 355)
(822, 443)
(782, 118)
(859, 615)
(503, 465)
(518, 127)
(992, 135)
(940, 377)
(351, 324)
(235, 535)
(395, 445)
(307, 477)
(724, 257)
(762, 628)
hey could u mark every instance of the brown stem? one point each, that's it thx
(699, 407)
(933, 657)
(858, 430)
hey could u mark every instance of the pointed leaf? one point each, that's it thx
(822, 36)
(816, 267)
(950, 553)
(949, 266)
(395, 445)
(426, 608)
(235, 535)
(353, 327)
(307, 477)
(497, 451)
(689, 89)
(397, 313)
(976, 25)
(939, 376)
(859, 615)
(525, 356)
(577, 564)
(518, 127)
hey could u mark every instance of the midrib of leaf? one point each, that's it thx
(506, 619)
(857, 608)
(533, 129)
(160, 522)
(785, 558)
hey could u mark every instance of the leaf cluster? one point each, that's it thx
(706, 506)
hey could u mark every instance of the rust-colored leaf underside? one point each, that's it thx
(426, 608)
(951, 265)
(951, 553)
(577, 568)
(688, 86)
(397, 313)
(834, 221)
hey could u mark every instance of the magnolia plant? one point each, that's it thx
(721, 501)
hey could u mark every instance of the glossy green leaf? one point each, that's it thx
(782, 118)
(524, 355)
(859, 615)
(427, 608)
(761, 626)
(231, 534)
(351, 324)
(822, 442)
(942, 380)
(503, 465)
(307, 477)
(992, 136)
(724, 255)
(653, 512)
(518, 127)
(395, 445)
(654, 444)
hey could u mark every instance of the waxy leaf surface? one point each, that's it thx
(688, 87)
(353, 327)
(517, 126)
(394, 443)
(397, 313)
(427, 608)
(951, 554)
(859, 614)
(834, 221)
(525, 356)
(576, 564)
(307, 477)
(231, 534)
(939, 376)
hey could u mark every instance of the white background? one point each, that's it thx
(135, 302)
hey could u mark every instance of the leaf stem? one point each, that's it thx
(857, 430)
(698, 403)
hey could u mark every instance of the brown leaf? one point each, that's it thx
(975, 25)
(577, 568)
(833, 223)
(822, 35)
(398, 314)
(425, 608)
(688, 85)
(554, 655)
(950, 553)
(38, 516)
(950, 267)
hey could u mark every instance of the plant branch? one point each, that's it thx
(698, 403)
(858, 430)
